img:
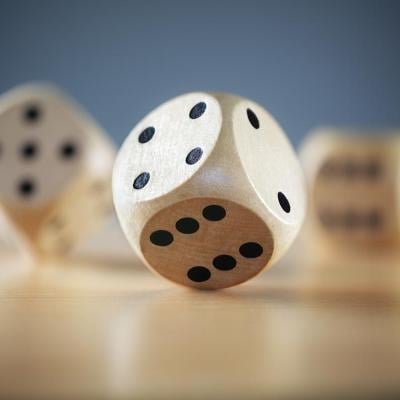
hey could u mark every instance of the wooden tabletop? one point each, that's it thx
(110, 329)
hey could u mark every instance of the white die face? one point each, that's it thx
(167, 147)
(270, 162)
(42, 146)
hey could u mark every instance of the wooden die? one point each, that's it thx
(56, 165)
(353, 188)
(208, 190)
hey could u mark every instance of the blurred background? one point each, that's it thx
(99, 324)
(309, 62)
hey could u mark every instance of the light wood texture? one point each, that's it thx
(88, 330)
(49, 142)
(245, 159)
(219, 262)
(353, 189)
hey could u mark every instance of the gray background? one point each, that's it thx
(308, 62)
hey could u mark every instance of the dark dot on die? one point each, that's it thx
(251, 250)
(146, 135)
(161, 238)
(350, 169)
(373, 169)
(350, 219)
(198, 110)
(32, 113)
(253, 119)
(284, 202)
(199, 274)
(374, 220)
(224, 262)
(214, 212)
(29, 150)
(26, 187)
(187, 225)
(68, 150)
(141, 180)
(194, 156)
(329, 168)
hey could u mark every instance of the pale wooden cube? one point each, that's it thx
(208, 190)
(55, 168)
(353, 189)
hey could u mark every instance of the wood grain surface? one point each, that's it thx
(91, 329)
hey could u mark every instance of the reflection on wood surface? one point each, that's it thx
(77, 329)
